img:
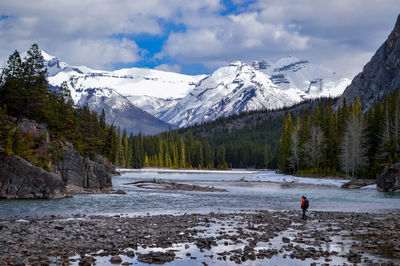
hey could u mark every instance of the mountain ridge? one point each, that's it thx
(118, 109)
(184, 100)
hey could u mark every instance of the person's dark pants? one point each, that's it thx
(304, 214)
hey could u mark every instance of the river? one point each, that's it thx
(241, 196)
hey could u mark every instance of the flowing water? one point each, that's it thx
(241, 196)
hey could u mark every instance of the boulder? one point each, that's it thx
(116, 260)
(389, 179)
(19, 179)
(79, 172)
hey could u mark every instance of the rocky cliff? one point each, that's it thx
(71, 173)
(81, 174)
(380, 76)
(19, 179)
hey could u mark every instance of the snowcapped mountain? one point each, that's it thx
(301, 79)
(120, 111)
(100, 95)
(262, 85)
(232, 89)
(184, 100)
(145, 88)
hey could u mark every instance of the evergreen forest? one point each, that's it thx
(348, 142)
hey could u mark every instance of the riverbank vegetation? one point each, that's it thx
(347, 142)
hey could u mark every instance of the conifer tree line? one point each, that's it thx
(348, 142)
(248, 147)
(175, 151)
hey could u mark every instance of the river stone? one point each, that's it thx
(19, 179)
(389, 179)
(156, 257)
(116, 260)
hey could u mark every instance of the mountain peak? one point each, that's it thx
(236, 64)
(47, 57)
(258, 65)
(393, 38)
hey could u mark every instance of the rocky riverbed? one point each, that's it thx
(262, 237)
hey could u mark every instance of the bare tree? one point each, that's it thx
(353, 155)
(345, 155)
(313, 147)
(385, 134)
(294, 159)
(395, 128)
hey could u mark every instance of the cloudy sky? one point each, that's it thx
(197, 36)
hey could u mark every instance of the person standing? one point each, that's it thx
(304, 206)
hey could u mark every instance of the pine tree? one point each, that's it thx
(295, 148)
(285, 143)
(35, 85)
(12, 84)
(103, 119)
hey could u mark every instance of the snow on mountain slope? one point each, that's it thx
(153, 105)
(119, 110)
(186, 100)
(303, 79)
(232, 89)
(143, 87)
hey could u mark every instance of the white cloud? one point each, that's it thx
(236, 37)
(341, 34)
(89, 32)
(100, 53)
(76, 30)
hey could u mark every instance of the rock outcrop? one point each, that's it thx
(19, 179)
(36, 130)
(389, 179)
(70, 173)
(380, 76)
(80, 173)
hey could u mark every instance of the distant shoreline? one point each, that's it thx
(258, 175)
(188, 170)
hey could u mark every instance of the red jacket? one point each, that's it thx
(303, 203)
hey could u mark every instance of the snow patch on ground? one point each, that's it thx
(273, 177)
(167, 170)
(254, 176)
(370, 187)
